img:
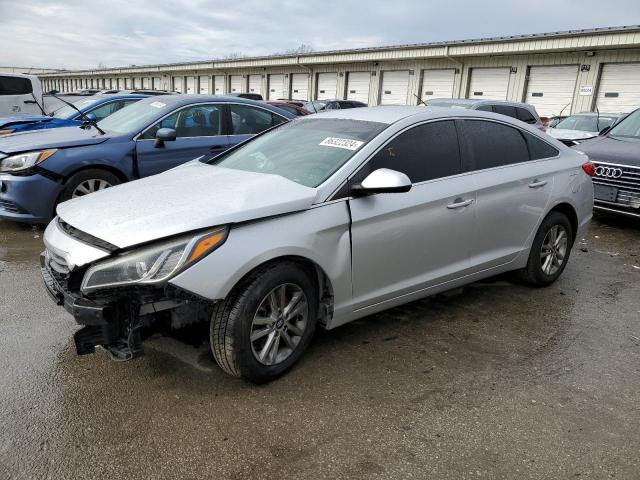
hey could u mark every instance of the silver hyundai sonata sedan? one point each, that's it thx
(319, 221)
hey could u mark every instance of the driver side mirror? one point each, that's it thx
(164, 135)
(604, 131)
(90, 117)
(383, 180)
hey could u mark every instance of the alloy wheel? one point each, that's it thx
(90, 186)
(279, 324)
(554, 249)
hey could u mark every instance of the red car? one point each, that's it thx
(289, 107)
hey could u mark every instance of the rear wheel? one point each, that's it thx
(550, 251)
(263, 327)
(86, 182)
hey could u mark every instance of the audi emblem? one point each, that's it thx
(608, 172)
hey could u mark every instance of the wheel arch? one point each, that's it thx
(315, 272)
(98, 166)
(570, 212)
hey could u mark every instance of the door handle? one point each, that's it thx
(537, 183)
(460, 203)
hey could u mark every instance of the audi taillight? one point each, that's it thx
(589, 168)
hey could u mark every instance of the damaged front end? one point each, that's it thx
(119, 320)
(124, 296)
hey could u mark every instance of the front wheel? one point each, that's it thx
(550, 251)
(86, 182)
(263, 327)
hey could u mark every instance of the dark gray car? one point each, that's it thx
(616, 156)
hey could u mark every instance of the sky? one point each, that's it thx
(77, 34)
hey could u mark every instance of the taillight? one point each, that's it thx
(589, 168)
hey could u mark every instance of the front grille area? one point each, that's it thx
(618, 186)
(11, 207)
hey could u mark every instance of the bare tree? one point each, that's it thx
(300, 49)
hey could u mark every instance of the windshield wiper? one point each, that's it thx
(87, 120)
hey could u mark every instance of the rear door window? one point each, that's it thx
(424, 152)
(247, 120)
(492, 144)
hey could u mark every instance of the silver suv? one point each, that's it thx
(320, 221)
(524, 112)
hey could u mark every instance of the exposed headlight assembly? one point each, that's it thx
(24, 161)
(153, 264)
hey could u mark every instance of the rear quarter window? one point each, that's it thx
(539, 149)
(15, 85)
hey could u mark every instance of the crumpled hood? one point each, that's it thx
(566, 134)
(190, 197)
(14, 119)
(50, 138)
(624, 151)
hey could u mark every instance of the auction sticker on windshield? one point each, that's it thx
(157, 104)
(346, 143)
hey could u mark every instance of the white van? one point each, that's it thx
(20, 94)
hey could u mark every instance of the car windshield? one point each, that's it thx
(586, 123)
(629, 127)
(134, 117)
(67, 111)
(315, 106)
(307, 151)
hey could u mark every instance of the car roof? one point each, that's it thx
(390, 114)
(477, 101)
(595, 114)
(187, 99)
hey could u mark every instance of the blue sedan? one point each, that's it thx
(99, 107)
(40, 169)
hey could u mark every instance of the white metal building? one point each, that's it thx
(567, 72)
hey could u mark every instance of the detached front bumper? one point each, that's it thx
(99, 325)
(120, 319)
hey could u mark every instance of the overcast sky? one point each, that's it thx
(86, 33)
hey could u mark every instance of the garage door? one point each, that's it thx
(550, 89)
(204, 85)
(191, 85)
(358, 86)
(437, 84)
(157, 83)
(395, 88)
(146, 82)
(218, 85)
(121, 83)
(327, 87)
(128, 83)
(489, 83)
(619, 89)
(276, 87)
(177, 84)
(237, 84)
(300, 86)
(255, 84)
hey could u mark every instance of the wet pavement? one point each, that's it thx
(500, 381)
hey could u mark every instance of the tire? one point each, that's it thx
(246, 313)
(538, 273)
(83, 181)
